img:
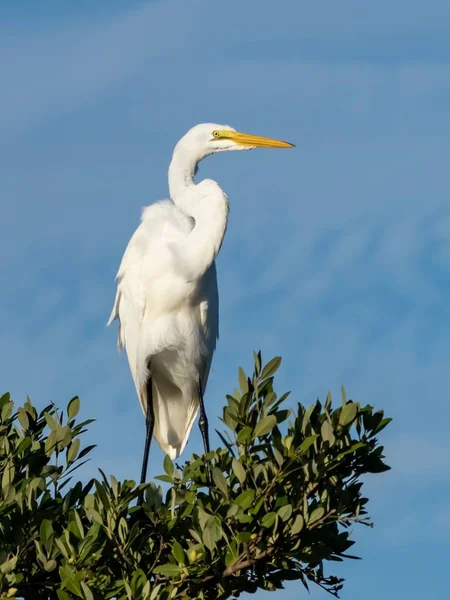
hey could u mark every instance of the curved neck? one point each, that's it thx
(207, 205)
(181, 172)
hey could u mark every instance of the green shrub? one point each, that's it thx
(273, 504)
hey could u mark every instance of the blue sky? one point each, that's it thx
(337, 254)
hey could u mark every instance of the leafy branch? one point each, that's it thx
(283, 492)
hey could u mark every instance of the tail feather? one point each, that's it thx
(175, 413)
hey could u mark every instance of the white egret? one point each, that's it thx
(167, 298)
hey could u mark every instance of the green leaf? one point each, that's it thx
(220, 480)
(45, 531)
(156, 592)
(352, 448)
(9, 493)
(71, 583)
(50, 565)
(348, 413)
(168, 570)
(146, 590)
(307, 443)
(212, 533)
(271, 368)
(326, 432)
(72, 450)
(381, 425)
(164, 478)
(208, 537)
(282, 415)
(62, 595)
(245, 499)
(257, 361)
(24, 445)
(278, 456)
(238, 470)
(243, 382)
(265, 426)
(7, 409)
(168, 466)
(102, 493)
(51, 422)
(94, 515)
(269, 399)
(8, 474)
(73, 408)
(9, 565)
(244, 436)
(22, 415)
(64, 436)
(268, 520)
(114, 486)
(178, 552)
(316, 514)
(79, 524)
(243, 518)
(244, 536)
(233, 511)
(86, 591)
(231, 554)
(285, 512)
(87, 450)
(297, 526)
(5, 399)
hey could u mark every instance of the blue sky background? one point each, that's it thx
(337, 254)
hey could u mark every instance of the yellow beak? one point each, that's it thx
(247, 139)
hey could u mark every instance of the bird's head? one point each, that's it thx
(207, 138)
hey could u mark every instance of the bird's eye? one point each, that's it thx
(216, 134)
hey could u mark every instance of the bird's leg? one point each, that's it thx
(203, 422)
(149, 423)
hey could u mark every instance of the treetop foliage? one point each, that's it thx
(274, 503)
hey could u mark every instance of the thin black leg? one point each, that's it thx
(203, 422)
(149, 423)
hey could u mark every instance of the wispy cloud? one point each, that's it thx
(62, 69)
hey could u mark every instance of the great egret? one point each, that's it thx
(167, 299)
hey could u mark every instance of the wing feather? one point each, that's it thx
(129, 305)
(141, 266)
(149, 317)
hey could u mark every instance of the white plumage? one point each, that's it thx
(167, 297)
(169, 317)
